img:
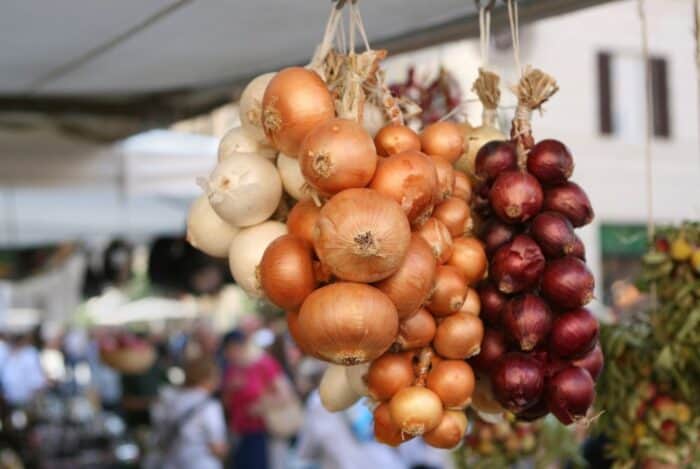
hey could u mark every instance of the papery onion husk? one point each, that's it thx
(416, 331)
(492, 303)
(517, 382)
(295, 101)
(574, 333)
(410, 287)
(516, 196)
(472, 303)
(469, 258)
(449, 292)
(445, 178)
(567, 283)
(287, 273)
(449, 432)
(436, 234)
(443, 139)
(550, 162)
(453, 382)
(388, 374)
(393, 139)
(570, 393)
(494, 158)
(385, 430)
(592, 362)
(301, 220)
(362, 236)
(493, 347)
(409, 178)
(459, 336)
(463, 188)
(571, 201)
(348, 323)
(334, 390)
(455, 214)
(527, 320)
(554, 234)
(495, 234)
(337, 154)
(483, 400)
(518, 265)
(416, 410)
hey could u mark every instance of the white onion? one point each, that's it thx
(250, 107)
(373, 118)
(336, 393)
(206, 231)
(292, 178)
(237, 140)
(246, 251)
(245, 190)
(356, 378)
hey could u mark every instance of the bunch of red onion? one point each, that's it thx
(540, 349)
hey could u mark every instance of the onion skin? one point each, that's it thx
(409, 178)
(385, 430)
(527, 320)
(516, 196)
(463, 188)
(579, 249)
(287, 272)
(416, 331)
(292, 179)
(493, 347)
(474, 140)
(550, 162)
(348, 323)
(492, 303)
(438, 237)
(455, 214)
(443, 139)
(411, 285)
(592, 362)
(416, 410)
(472, 303)
(295, 101)
(483, 400)
(388, 374)
(250, 106)
(445, 178)
(357, 378)
(567, 283)
(571, 201)
(574, 334)
(554, 234)
(449, 292)
(495, 234)
(517, 382)
(334, 390)
(449, 432)
(536, 412)
(494, 158)
(362, 236)
(570, 393)
(453, 382)
(459, 336)
(301, 220)
(297, 333)
(469, 257)
(518, 265)
(206, 231)
(337, 154)
(393, 139)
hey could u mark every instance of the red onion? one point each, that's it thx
(571, 201)
(493, 158)
(518, 265)
(492, 303)
(579, 250)
(517, 382)
(496, 233)
(527, 321)
(554, 365)
(515, 196)
(570, 393)
(567, 283)
(493, 347)
(554, 233)
(574, 333)
(537, 411)
(592, 362)
(550, 162)
(480, 201)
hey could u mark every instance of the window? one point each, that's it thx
(621, 96)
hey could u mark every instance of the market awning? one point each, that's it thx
(143, 64)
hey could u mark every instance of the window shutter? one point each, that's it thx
(605, 120)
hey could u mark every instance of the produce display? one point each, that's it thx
(126, 352)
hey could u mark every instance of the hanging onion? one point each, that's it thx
(474, 139)
(245, 190)
(570, 394)
(454, 213)
(550, 162)
(567, 283)
(516, 196)
(385, 430)
(373, 118)
(238, 140)
(517, 382)
(492, 303)
(411, 285)
(337, 154)
(295, 101)
(574, 333)
(246, 252)
(483, 400)
(301, 220)
(409, 178)
(357, 378)
(453, 382)
(335, 391)
(207, 232)
(449, 432)
(494, 158)
(416, 331)
(443, 139)
(527, 320)
(348, 323)
(250, 107)
(472, 303)
(493, 347)
(495, 234)
(396, 138)
(436, 234)
(287, 272)
(362, 235)
(292, 179)
(459, 336)
(463, 188)
(449, 292)
(297, 333)
(592, 362)
(388, 374)
(469, 258)
(416, 410)
(518, 265)
(571, 201)
(554, 234)
(445, 178)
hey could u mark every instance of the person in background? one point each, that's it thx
(252, 377)
(139, 391)
(21, 376)
(190, 422)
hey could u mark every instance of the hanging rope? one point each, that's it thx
(649, 120)
(515, 32)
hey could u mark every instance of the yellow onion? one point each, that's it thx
(469, 257)
(357, 378)
(472, 303)
(455, 214)
(474, 140)
(410, 286)
(335, 391)
(348, 323)
(362, 236)
(459, 336)
(206, 231)
(436, 234)
(483, 400)
(416, 331)
(250, 107)
(443, 139)
(295, 101)
(297, 333)
(301, 220)
(396, 138)
(410, 179)
(246, 252)
(445, 178)
(463, 188)
(337, 154)
(287, 272)
(449, 292)
(449, 432)
(416, 410)
(385, 430)
(453, 382)
(388, 374)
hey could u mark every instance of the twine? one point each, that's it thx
(649, 122)
(515, 32)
